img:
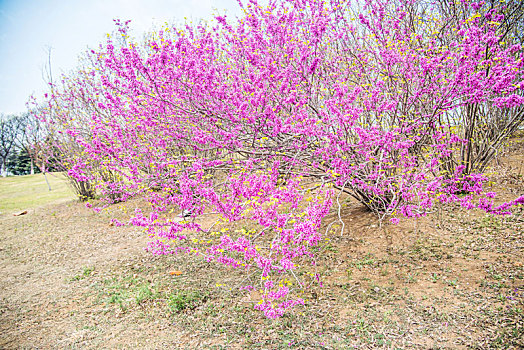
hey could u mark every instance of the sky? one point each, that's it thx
(30, 29)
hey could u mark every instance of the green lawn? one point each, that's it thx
(25, 192)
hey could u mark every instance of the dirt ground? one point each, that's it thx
(454, 280)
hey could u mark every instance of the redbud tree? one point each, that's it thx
(268, 121)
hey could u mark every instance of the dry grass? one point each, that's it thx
(71, 280)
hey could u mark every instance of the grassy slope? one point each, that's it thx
(25, 192)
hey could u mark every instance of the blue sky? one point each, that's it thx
(28, 28)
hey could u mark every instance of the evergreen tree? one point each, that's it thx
(19, 163)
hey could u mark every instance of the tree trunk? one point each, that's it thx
(3, 168)
(48, 185)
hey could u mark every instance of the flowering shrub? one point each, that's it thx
(267, 120)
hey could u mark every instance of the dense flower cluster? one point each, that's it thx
(269, 119)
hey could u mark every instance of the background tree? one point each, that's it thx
(28, 140)
(19, 162)
(11, 129)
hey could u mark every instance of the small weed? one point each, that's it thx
(380, 340)
(183, 300)
(452, 283)
(367, 260)
(434, 277)
(85, 273)
(211, 310)
(144, 293)
(331, 248)
(411, 278)
(119, 298)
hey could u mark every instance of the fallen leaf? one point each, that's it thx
(21, 213)
(175, 273)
